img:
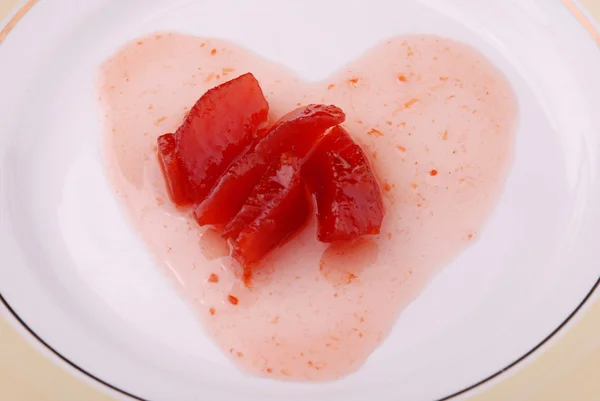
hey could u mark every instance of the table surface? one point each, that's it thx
(566, 370)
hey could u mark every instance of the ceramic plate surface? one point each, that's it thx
(73, 271)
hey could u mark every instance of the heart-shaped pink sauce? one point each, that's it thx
(437, 120)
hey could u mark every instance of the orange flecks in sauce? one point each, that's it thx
(401, 148)
(402, 78)
(232, 300)
(433, 173)
(443, 78)
(160, 120)
(445, 135)
(411, 103)
(213, 278)
(160, 201)
(212, 311)
(375, 132)
(226, 70)
(209, 77)
(414, 185)
(331, 86)
(353, 81)
(387, 187)
(213, 52)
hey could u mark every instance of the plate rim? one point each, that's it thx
(22, 9)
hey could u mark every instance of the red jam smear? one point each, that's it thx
(220, 126)
(349, 203)
(253, 181)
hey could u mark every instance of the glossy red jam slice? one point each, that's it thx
(278, 207)
(348, 196)
(220, 126)
(175, 177)
(299, 130)
(231, 191)
(296, 132)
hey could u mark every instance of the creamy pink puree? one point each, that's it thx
(435, 117)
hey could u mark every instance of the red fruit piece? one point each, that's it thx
(278, 207)
(220, 126)
(172, 170)
(299, 130)
(348, 196)
(296, 132)
(231, 191)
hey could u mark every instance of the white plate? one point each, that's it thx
(76, 276)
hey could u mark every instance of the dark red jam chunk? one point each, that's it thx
(297, 132)
(253, 181)
(231, 191)
(348, 196)
(219, 127)
(278, 207)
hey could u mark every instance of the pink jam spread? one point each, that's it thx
(437, 121)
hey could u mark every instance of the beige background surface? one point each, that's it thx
(567, 370)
